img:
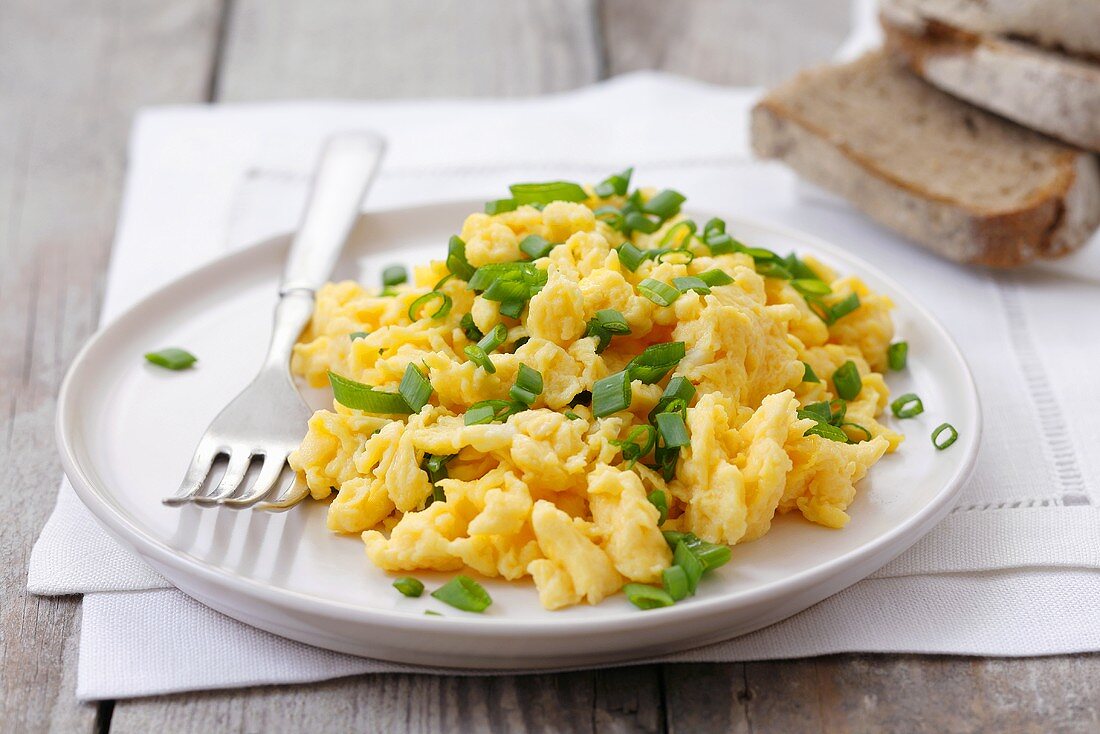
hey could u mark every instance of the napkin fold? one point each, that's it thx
(1014, 570)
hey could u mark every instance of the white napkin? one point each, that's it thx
(1015, 570)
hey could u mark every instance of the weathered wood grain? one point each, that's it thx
(902, 693)
(722, 41)
(72, 74)
(407, 48)
(579, 702)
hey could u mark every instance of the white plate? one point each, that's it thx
(126, 431)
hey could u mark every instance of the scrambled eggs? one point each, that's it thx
(543, 487)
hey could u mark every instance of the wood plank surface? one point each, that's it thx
(408, 48)
(72, 74)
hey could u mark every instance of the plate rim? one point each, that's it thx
(889, 544)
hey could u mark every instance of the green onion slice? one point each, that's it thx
(436, 466)
(499, 206)
(720, 243)
(439, 313)
(462, 592)
(640, 222)
(395, 275)
(535, 247)
(839, 310)
(678, 391)
(478, 356)
(833, 433)
(772, 269)
(658, 499)
(644, 596)
(679, 234)
(666, 255)
(544, 193)
(358, 335)
(673, 430)
(808, 374)
(660, 293)
(172, 358)
(691, 283)
(684, 557)
(358, 396)
(630, 256)
(611, 394)
(897, 355)
(470, 328)
(490, 411)
(799, 269)
(409, 586)
(811, 287)
(638, 442)
(664, 204)
(512, 309)
(847, 381)
(907, 406)
(456, 259)
(614, 185)
(415, 388)
(528, 385)
(494, 338)
(606, 323)
(858, 427)
(675, 583)
(656, 361)
(952, 436)
(715, 277)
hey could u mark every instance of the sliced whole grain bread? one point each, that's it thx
(966, 184)
(1044, 90)
(1072, 26)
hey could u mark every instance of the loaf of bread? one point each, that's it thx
(966, 184)
(1072, 26)
(1042, 89)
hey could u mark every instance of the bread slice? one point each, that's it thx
(964, 183)
(1044, 90)
(1072, 26)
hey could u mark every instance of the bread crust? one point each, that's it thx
(1054, 221)
(1043, 90)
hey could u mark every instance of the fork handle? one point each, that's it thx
(347, 167)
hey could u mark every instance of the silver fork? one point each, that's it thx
(268, 419)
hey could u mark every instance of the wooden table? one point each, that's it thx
(72, 74)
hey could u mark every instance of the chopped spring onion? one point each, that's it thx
(808, 374)
(462, 592)
(544, 193)
(630, 256)
(679, 234)
(772, 269)
(721, 243)
(442, 281)
(673, 430)
(395, 275)
(609, 214)
(535, 247)
(827, 412)
(611, 394)
(833, 433)
(680, 391)
(614, 185)
(658, 499)
(710, 554)
(528, 385)
(715, 277)
(415, 388)
(606, 323)
(409, 586)
(691, 283)
(470, 328)
(684, 557)
(799, 269)
(504, 290)
(572, 416)
(494, 338)
(811, 287)
(678, 255)
(436, 466)
(664, 204)
(499, 206)
(897, 355)
(907, 406)
(660, 293)
(675, 582)
(512, 308)
(952, 436)
(831, 314)
(656, 361)
(358, 396)
(632, 448)
(479, 353)
(478, 356)
(490, 411)
(644, 596)
(640, 222)
(358, 335)
(172, 358)
(867, 434)
(456, 259)
(439, 313)
(508, 281)
(847, 381)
